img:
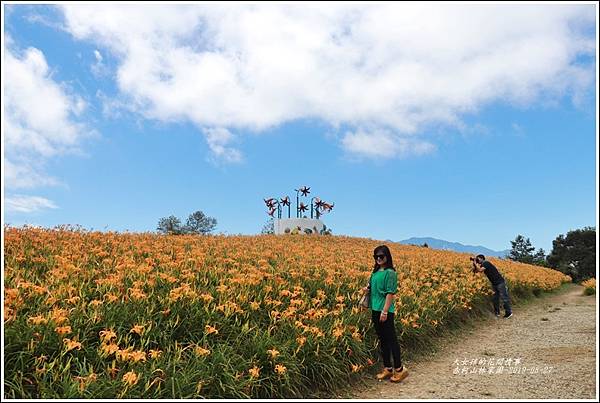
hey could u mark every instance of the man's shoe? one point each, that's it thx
(386, 373)
(399, 375)
(507, 315)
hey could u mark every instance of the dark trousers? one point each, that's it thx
(501, 292)
(388, 343)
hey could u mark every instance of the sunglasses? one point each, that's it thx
(378, 257)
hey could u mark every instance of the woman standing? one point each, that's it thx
(383, 285)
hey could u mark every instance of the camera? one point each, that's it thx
(474, 260)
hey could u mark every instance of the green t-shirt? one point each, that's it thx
(383, 282)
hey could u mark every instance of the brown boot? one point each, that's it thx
(386, 373)
(399, 375)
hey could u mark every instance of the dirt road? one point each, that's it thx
(547, 350)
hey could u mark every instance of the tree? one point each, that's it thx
(539, 258)
(199, 223)
(575, 253)
(269, 227)
(522, 250)
(169, 225)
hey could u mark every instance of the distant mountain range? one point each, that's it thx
(455, 246)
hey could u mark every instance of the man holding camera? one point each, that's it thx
(498, 284)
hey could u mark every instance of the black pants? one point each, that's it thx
(388, 343)
(501, 292)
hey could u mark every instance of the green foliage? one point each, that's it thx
(540, 258)
(575, 253)
(522, 250)
(197, 223)
(269, 227)
(170, 226)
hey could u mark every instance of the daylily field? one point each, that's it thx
(101, 315)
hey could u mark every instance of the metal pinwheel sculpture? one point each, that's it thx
(302, 208)
(323, 207)
(305, 191)
(286, 202)
(327, 207)
(316, 204)
(273, 206)
(270, 202)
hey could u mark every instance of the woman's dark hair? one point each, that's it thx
(382, 249)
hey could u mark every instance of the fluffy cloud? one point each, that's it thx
(383, 144)
(26, 174)
(38, 110)
(40, 122)
(396, 68)
(27, 204)
(217, 139)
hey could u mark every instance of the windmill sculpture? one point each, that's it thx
(317, 206)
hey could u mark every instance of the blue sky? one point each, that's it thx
(411, 124)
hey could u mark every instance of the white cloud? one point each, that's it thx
(98, 55)
(98, 68)
(38, 111)
(39, 19)
(384, 144)
(39, 123)
(395, 67)
(27, 204)
(26, 174)
(218, 139)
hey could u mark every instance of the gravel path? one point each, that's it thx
(547, 351)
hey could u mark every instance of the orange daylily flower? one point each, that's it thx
(254, 372)
(280, 369)
(72, 344)
(137, 329)
(273, 353)
(130, 378)
(211, 330)
(63, 330)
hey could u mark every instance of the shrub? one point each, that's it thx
(590, 286)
